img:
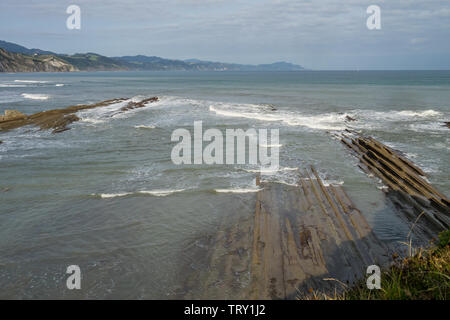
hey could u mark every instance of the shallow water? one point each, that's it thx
(107, 197)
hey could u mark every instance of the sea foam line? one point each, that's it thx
(30, 81)
(156, 193)
(35, 96)
(237, 190)
(144, 127)
(270, 170)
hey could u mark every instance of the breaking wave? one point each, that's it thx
(156, 193)
(33, 96)
(144, 127)
(323, 121)
(238, 190)
(30, 81)
(333, 121)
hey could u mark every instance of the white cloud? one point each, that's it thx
(255, 30)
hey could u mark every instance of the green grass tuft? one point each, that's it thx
(424, 276)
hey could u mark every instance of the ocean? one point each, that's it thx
(107, 197)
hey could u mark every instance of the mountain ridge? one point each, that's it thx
(17, 58)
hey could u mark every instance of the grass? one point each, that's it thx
(423, 276)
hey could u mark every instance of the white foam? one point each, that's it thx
(59, 85)
(411, 155)
(328, 183)
(371, 116)
(287, 183)
(270, 145)
(270, 170)
(92, 120)
(144, 127)
(237, 190)
(99, 115)
(30, 81)
(430, 126)
(328, 121)
(35, 96)
(112, 195)
(12, 86)
(161, 193)
(425, 113)
(112, 111)
(156, 193)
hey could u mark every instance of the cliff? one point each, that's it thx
(16, 58)
(17, 62)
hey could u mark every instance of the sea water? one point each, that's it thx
(106, 196)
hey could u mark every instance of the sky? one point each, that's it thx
(317, 34)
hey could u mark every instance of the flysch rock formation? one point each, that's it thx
(298, 239)
(58, 120)
(422, 205)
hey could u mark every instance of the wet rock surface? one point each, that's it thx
(422, 205)
(296, 239)
(140, 104)
(12, 115)
(58, 120)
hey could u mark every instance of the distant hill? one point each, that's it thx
(12, 47)
(277, 66)
(92, 62)
(141, 62)
(156, 63)
(40, 60)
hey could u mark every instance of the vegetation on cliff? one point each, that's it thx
(17, 58)
(425, 275)
(17, 62)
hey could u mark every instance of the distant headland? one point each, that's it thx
(16, 58)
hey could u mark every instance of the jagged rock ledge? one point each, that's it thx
(297, 239)
(58, 119)
(407, 186)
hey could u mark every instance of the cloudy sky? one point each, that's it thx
(318, 34)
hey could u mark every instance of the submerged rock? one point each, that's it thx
(447, 124)
(140, 104)
(406, 185)
(12, 115)
(348, 118)
(59, 119)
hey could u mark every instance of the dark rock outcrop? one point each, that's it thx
(58, 119)
(12, 115)
(406, 185)
(140, 104)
